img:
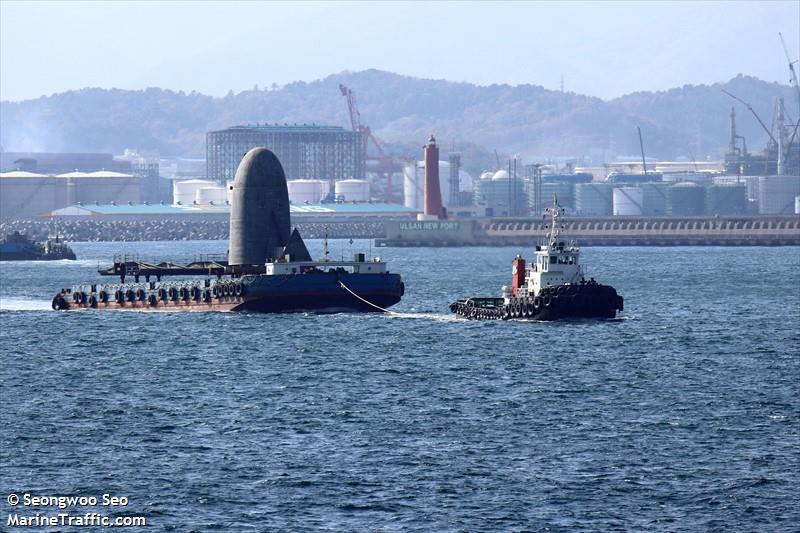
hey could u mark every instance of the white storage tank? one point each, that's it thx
(414, 183)
(185, 192)
(352, 190)
(797, 205)
(627, 201)
(594, 199)
(208, 195)
(776, 194)
(306, 191)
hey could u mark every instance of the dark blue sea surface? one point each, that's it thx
(681, 415)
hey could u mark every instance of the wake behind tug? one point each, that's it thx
(554, 287)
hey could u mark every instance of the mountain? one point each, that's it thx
(690, 121)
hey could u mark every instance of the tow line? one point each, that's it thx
(345, 287)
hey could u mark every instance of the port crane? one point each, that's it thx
(792, 74)
(382, 164)
(753, 111)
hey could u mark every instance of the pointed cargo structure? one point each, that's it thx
(268, 267)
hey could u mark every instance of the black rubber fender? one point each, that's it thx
(59, 303)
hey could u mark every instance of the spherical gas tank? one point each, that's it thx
(260, 220)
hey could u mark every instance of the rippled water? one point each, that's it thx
(682, 415)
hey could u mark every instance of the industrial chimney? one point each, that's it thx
(433, 209)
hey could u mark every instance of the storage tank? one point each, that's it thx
(654, 199)
(693, 177)
(686, 199)
(797, 205)
(414, 183)
(185, 192)
(352, 190)
(726, 199)
(627, 201)
(412, 197)
(776, 194)
(208, 195)
(565, 191)
(750, 183)
(306, 191)
(499, 192)
(595, 199)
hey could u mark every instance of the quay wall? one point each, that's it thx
(606, 231)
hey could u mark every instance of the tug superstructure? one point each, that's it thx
(552, 287)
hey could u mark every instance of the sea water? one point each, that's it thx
(680, 415)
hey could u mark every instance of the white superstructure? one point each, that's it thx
(555, 263)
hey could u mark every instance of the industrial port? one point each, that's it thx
(342, 182)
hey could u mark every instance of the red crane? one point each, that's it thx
(382, 163)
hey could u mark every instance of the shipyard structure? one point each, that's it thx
(307, 151)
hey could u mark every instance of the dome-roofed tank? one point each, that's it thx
(260, 221)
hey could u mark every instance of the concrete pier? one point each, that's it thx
(607, 231)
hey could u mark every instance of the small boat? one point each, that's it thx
(553, 286)
(18, 247)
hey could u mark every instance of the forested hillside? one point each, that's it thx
(691, 121)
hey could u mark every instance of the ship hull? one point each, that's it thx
(32, 255)
(319, 292)
(590, 300)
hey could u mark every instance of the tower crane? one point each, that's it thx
(355, 121)
(794, 83)
(792, 74)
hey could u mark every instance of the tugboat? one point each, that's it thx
(268, 268)
(552, 288)
(18, 247)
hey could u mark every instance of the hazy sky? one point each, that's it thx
(601, 48)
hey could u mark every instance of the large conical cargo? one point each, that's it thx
(268, 269)
(260, 223)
